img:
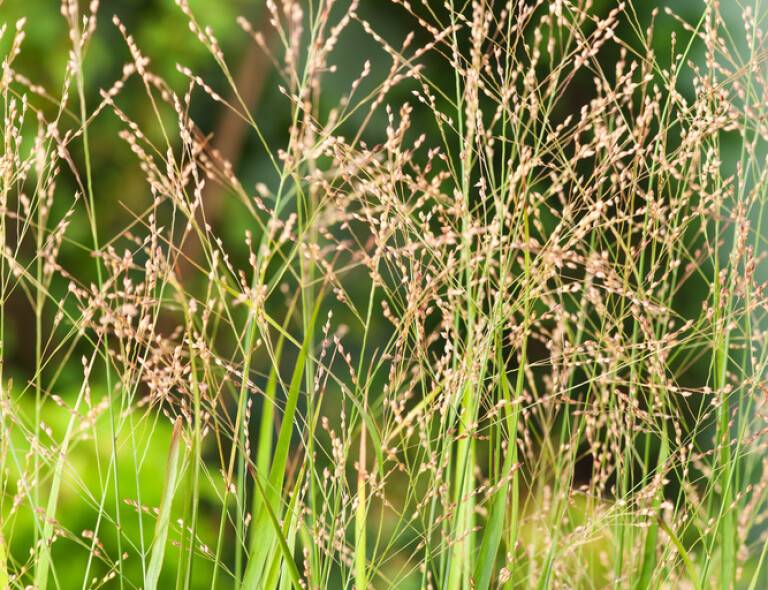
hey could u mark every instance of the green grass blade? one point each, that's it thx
(651, 539)
(262, 542)
(360, 513)
(293, 571)
(164, 518)
(3, 564)
(280, 568)
(494, 528)
(683, 553)
(44, 563)
(758, 568)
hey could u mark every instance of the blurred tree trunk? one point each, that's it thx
(226, 144)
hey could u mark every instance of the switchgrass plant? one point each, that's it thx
(491, 313)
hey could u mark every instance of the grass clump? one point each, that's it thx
(484, 307)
